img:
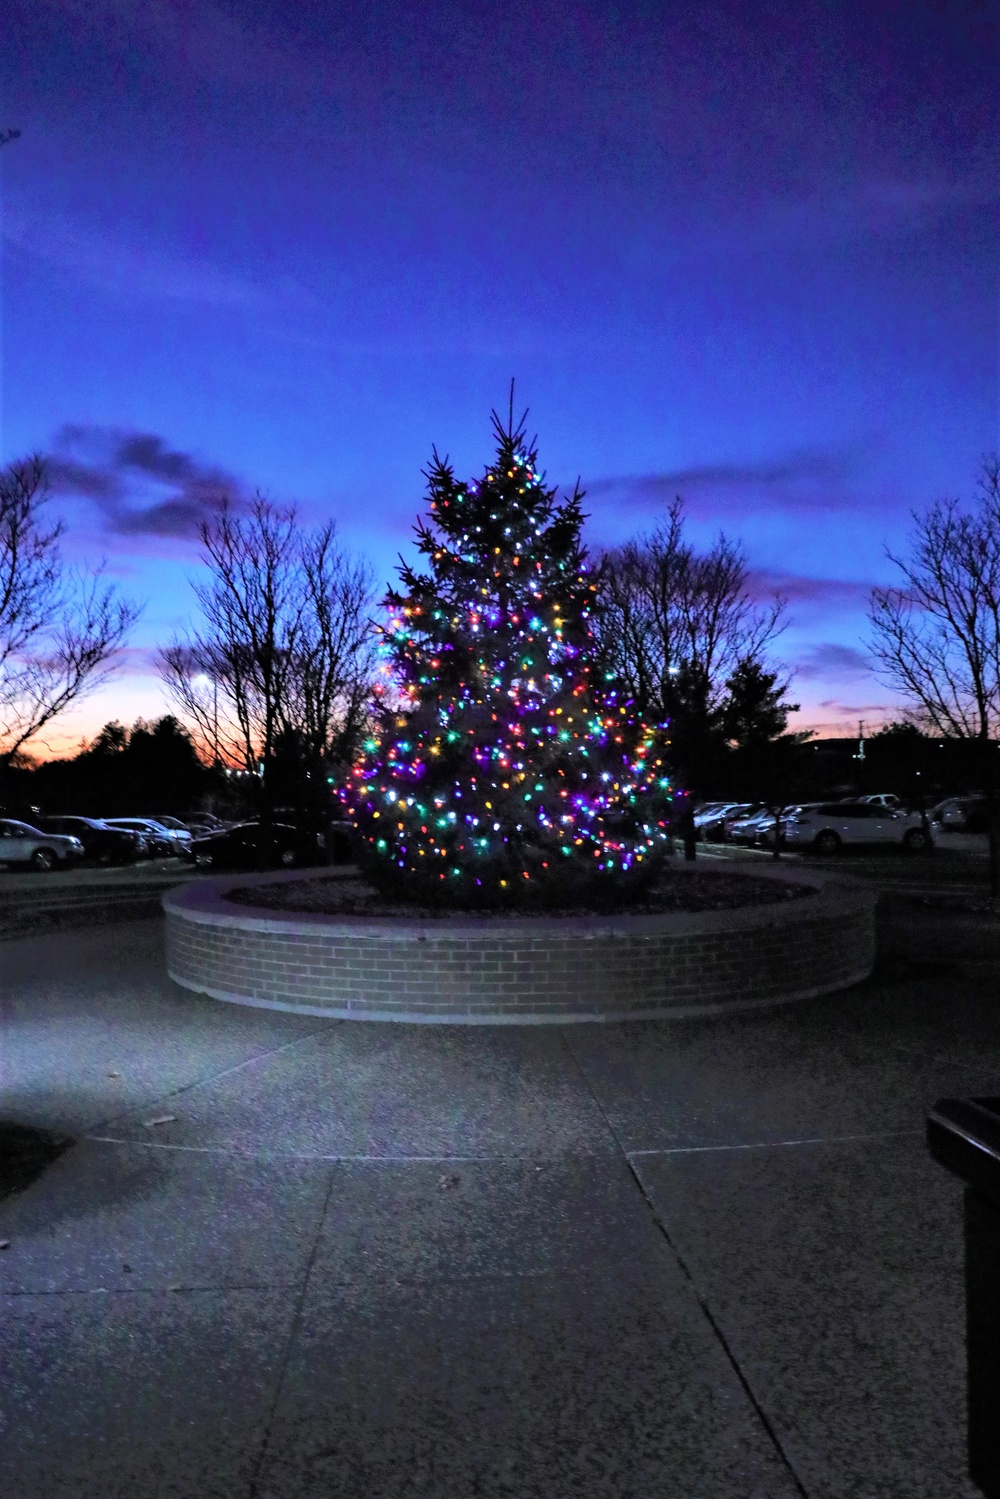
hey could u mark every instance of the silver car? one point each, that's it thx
(22, 844)
(758, 825)
(169, 840)
(765, 835)
(710, 820)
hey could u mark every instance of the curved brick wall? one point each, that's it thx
(535, 969)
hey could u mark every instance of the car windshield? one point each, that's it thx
(21, 829)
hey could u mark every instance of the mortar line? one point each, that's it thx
(720, 1337)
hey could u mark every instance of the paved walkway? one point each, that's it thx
(703, 1259)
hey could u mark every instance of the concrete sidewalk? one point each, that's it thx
(705, 1259)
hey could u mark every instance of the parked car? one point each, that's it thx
(339, 842)
(101, 842)
(834, 825)
(977, 816)
(740, 814)
(174, 825)
(751, 828)
(950, 812)
(744, 829)
(765, 836)
(20, 843)
(963, 814)
(203, 822)
(707, 810)
(162, 841)
(251, 845)
(710, 820)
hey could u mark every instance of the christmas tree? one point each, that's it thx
(508, 769)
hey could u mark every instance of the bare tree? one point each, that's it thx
(286, 648)
(681, 629)
(59, 631)
(670, 612)
(936, 637)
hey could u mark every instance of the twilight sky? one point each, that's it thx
(744, 253)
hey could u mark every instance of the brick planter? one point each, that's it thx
(517, 971)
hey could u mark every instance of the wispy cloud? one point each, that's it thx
(799, 588)
(827, 659)
(139, 484)
(806, 479)
(869, 205)
(857, 710)
(137, 270)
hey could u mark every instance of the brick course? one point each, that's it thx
(519, 971)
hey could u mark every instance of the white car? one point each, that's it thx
(22, 844)
(830, 826)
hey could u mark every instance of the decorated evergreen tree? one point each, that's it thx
(507, 769)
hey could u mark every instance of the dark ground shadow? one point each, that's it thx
(24, 1155)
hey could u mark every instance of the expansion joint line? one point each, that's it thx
(720, 1336)
(296, 1321)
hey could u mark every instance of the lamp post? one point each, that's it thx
(861, 740)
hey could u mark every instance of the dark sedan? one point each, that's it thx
(101, 844)
(251, 845)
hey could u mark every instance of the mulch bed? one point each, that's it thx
(352, 896)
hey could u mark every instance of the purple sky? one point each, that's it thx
(743, 253)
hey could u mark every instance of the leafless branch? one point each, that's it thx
(936, 636)
(669, 611)
(59, 631)
(285, 646)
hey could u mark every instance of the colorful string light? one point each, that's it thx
(508, 768)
